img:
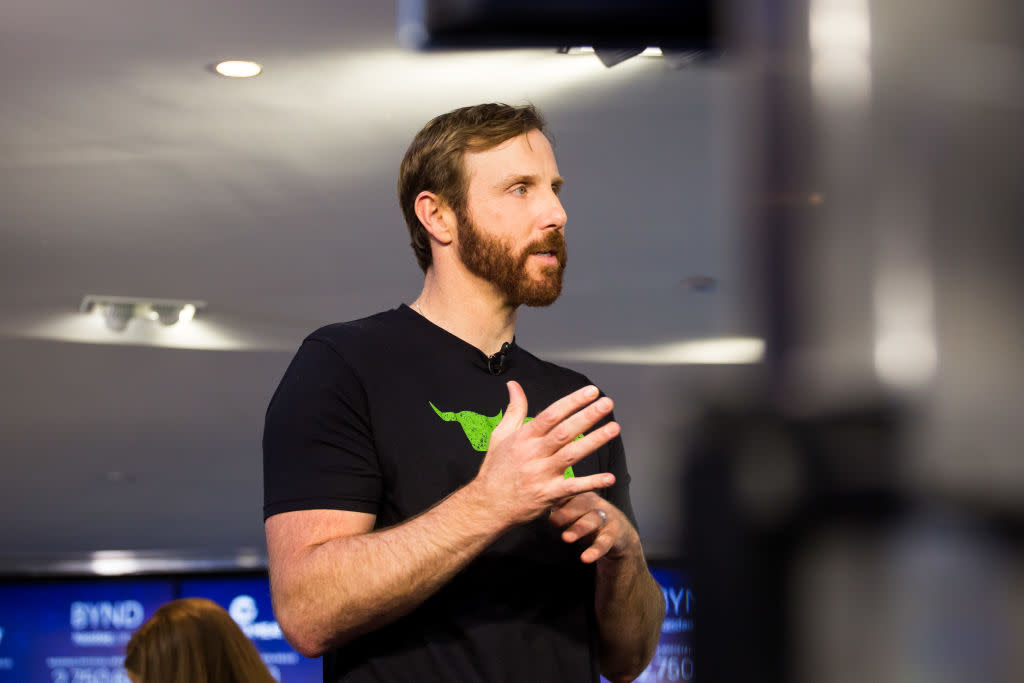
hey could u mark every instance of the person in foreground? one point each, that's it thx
(193, 640)
(440, 504)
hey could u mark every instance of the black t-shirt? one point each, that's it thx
(388, 415)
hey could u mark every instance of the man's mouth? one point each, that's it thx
(549, 257)
(549, 251)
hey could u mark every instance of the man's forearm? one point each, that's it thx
(630, 608)
(331, 592)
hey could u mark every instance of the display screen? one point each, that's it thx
(673, 659)
(73, 631)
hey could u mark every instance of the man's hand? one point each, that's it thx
(522, 473)
(628, 601)
(588, 515)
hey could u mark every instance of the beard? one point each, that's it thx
(495, 261)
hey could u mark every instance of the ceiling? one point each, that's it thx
(128, 168)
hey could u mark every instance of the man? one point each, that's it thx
(424, 522)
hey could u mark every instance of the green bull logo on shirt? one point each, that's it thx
(478, 428)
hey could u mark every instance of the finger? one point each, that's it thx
(576, 424)
(575, 450)
(588, 524)
(599, 548)
(568, 510)
(577, 485)
(555, 413)
(515, 413)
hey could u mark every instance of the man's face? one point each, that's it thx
(511, 233)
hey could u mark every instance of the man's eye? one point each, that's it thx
(519, 190)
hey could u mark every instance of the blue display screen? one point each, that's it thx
(673, 659)
(73, 631)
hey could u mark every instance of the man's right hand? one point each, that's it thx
(522, 472)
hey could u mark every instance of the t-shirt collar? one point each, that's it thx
(472, 354)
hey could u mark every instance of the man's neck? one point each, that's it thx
(469, 308)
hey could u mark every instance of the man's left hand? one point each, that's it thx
(588, 515)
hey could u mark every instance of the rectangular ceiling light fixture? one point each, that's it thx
(118, 311)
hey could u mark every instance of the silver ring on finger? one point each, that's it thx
(604, 517)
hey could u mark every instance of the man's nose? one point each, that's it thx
(556, 216)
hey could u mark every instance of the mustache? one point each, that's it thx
(554, 242)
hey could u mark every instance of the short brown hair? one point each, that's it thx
(193, 640)
(434, 160)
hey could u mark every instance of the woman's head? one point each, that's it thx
(193, 640)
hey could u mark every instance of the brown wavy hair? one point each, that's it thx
(434, 159)
(193, 640)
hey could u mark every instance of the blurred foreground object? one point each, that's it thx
(861, 517)
(814, 562)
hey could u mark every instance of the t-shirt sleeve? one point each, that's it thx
(318, 446)
(618, 493)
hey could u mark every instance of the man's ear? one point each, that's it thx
(436, 216)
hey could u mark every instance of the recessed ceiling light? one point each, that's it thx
(238, 68)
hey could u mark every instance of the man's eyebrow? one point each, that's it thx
(516, 178)
(529, 179)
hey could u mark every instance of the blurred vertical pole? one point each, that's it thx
(810, 62)
(740, 632)
(766, 38)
